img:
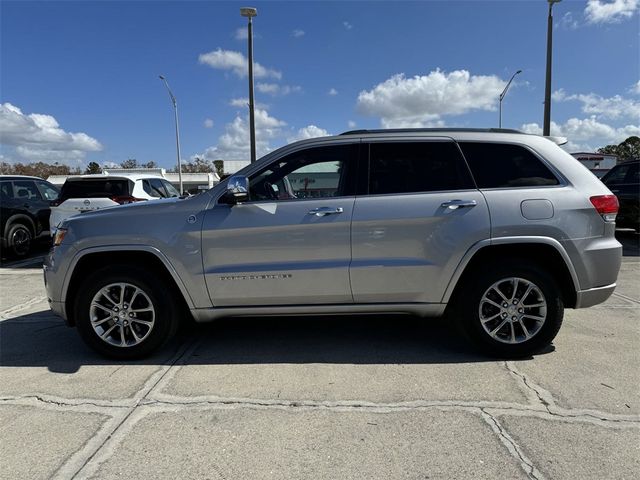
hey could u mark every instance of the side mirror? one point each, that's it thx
(237, 189)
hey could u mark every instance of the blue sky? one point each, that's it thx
(79, 80)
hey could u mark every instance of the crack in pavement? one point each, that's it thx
(85, 462)
(631, 299)
(514, 449)
(545, 399)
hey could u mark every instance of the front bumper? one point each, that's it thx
(55, 268)
(593, 296)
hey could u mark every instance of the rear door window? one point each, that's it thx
(501, 165)
(412, 167)
(107, 188)
(26, 190)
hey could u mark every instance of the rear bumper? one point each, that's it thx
(593, 296)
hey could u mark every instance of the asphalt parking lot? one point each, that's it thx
(338, 398)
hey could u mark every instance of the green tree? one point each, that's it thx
(627, 150)
(150, 164)
(93, 168)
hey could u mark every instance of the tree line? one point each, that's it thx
(44, 170)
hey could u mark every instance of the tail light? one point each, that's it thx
(124, 199)
(607, 206)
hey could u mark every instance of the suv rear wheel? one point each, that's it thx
(510, 311)
(19, 239)
(124, 312)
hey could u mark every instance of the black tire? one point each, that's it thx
(468, 308)
(19, 238)
(165, 315)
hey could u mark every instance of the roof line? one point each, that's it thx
(426, 130)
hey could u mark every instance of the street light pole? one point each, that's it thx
(251, 12)
(546, 129)
(175, 112)
(502, 95)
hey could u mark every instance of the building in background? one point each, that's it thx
(192, 182)
(233, 166)
(598, 163)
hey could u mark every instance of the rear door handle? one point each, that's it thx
(454, 204)
(322, 211)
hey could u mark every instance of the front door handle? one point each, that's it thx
(454, 204)
(322, 211)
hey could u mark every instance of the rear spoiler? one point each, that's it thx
(557, 140)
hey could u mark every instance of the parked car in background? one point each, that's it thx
(624, 181)
(500, 230)
(24, 211)
(86, 193)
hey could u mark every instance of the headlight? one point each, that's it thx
(59, 236)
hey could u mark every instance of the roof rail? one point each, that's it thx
(420, 130)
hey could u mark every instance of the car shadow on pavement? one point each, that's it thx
(38, 340)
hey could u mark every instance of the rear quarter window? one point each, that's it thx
(500, 165)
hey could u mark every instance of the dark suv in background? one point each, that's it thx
(24, 211)
(624, 181)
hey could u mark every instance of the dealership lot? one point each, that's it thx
(360, 397)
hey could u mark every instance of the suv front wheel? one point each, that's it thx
(124, 312)
(510, 311)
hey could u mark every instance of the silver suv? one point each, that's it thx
(497, 229)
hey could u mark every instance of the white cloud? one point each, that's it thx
(351, 124)
(241, 33)
(275, 89)
(244, 103)
(586, 134)
(635, 88)
(39, 137)
(347, 25)
(208, 123)
(239, 102)
(237, 63)
(333, 92)
(310, 131)
(297, 33)
(234, 144)
(567, 21)
(611, 108)
(598, 11)
(420, 101)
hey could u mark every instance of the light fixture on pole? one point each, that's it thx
(502, 95)
(546, 128)
(175, 111)
(251, 12)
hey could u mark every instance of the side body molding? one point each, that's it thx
(509, 241)
(127, 248)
